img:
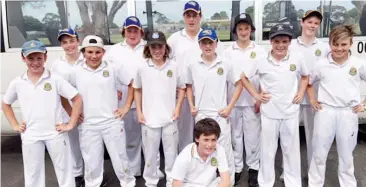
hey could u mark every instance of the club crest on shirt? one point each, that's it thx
(220, 71)
(253, 55)
(292, 67)
(169, 73)
(47, 86)
(213, 162)
(105, 73)
(318, 52)
(353, 71)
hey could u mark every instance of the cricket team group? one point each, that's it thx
(204, 103)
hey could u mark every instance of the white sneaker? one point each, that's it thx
(161, 174)
(282, 178)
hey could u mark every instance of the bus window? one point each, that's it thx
(344, 12)
(286, 12)
(167, 15)
(41, 20)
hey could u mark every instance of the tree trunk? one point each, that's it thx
(62, 12)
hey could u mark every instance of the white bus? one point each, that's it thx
(41, 20)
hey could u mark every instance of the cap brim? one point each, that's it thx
(92, 45)
(314, 13)
(33, 51)
(72, 35)
(156, 42)
(243, 21)
(207, 37)
(191, 9)
(280, 33)
(133, 25)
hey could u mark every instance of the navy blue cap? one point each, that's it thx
(207, 33)
(192, 5)
(281, 29)
(33, 46)
(132, 21)
(70, 32)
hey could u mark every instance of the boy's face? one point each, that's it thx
(133, 35)
(243, 31)
(70, 44)
(280, 45)
(340, 48)
(35, 62)
(157, 51)
(93, 56)
(206, 144)
(192, 20)
(310, 25)
(208, 47)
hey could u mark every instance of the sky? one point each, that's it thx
(172, 9)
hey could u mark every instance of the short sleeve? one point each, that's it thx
(188, 77)
(123, 76)
(362, 70)
(180, 79)
(303, 69)
(233, 74)
(222, 164)
(11, 94)
(137, 79)
(181, 165)
(65, 89)
(72, 77)
(315, 75)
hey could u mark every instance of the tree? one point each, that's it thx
(300, 13)
(160, 18)
(216, 16)
(33, 24)
(223, 15)
(113, 26)
(52, 20)
(250, 11)
(219, 16)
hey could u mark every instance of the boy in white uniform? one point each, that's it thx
(129, 53)
(97, 82)
(39, 93)
(245, 119)
(279, 74)
(209, 75)
(198, 163)
(155, 85)
(339, 76)
(69, 41)
(313, 49)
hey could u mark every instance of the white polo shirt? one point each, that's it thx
(193, 171)
(244, 60)
(40, 104)
(159, 94)
(313, 53)
(63, 68)
(280, 80)
(210, 83)
(339, 85)
(129, 57)
(98, 89)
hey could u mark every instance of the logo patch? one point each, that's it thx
(155, 35)
(169, 73)
(353, 71)
(32, 44)
(243, 16)
(213, 162)
(253, 55)
(192, 3)
(279, 28)
(133, 19)
(47, 86)
(105, 73)
(318, 52)
(292, 67)
(220, 71)
(207, 32)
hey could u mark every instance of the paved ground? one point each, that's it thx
(12, 168)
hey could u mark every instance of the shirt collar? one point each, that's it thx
(218, 60)
(151, 64)
(271, 59)
(332, 61)
(46, 74)
(78, 61)
(101, 66)
(299, 41)
(197, 156)
(250, 46)
(183, 32)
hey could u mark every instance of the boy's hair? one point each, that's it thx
(206, 127)
(341, 32)
(147, 53)
(124, 31)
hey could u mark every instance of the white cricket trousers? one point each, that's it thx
(341, 124)
(92, 149)
(150, 142)
(34, 161)
(185, 126)
(288, 132)
(224, 140)
(245, 122)
(77, 158)
(308, 113)
(133, 139)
